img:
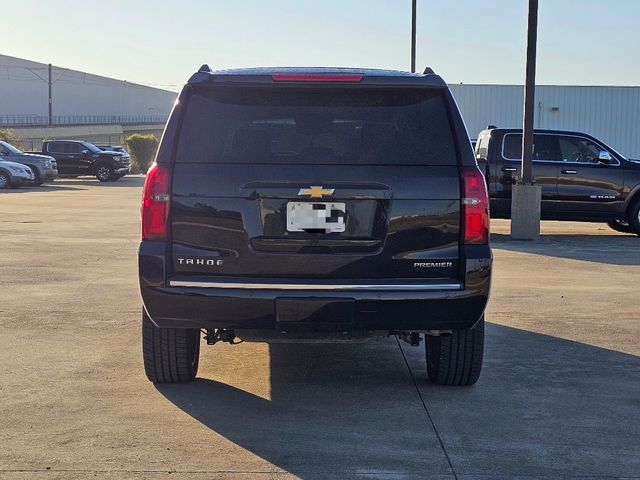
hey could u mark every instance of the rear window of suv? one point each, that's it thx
(317, 125)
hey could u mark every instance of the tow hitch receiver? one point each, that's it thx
(219, 335)
(412, 338)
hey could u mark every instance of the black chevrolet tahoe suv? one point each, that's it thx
(314, 204)
(582, 178)
(76, 158)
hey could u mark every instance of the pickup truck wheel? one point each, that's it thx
(104, 173)
(634, 218)
(37, 180)
(170, 354)
(620, 226)
(4, 181)
(456, 359)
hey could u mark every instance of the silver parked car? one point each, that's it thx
(13, 175)
(44, 167)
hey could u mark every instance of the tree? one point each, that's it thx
(9, 136)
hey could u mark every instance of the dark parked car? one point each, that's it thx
(115, 148)
(582, 178)
(76, 158)
(314, 204)
(43, 167)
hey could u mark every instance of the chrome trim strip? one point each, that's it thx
(309, 286)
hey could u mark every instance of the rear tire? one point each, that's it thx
(456, 359)
(620, 226)
(170, 354)
(634, 218)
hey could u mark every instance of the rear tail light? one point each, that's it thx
(475, 204)
(317, 77)
(155, 203)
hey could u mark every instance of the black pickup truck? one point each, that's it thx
(314, 204)
(76, 158)
(582, 178)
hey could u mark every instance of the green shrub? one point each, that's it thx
(143, 150)
(9, 136)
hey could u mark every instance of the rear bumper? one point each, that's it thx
(206, 302)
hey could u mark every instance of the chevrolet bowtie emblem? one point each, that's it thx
(316, 192)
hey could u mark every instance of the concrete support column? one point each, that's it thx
(525, 212)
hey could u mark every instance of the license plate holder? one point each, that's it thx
(327, 217)
(315, 313)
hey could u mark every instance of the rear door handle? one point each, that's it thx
(569, 172)
(509, 169)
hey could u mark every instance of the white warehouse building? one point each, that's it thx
(24, 94)
(611, 114)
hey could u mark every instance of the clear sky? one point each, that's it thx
(585, 42)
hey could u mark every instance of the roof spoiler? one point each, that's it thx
(267, 76)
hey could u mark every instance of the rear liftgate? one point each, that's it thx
(314, 189)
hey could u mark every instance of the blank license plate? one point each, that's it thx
(305, 216)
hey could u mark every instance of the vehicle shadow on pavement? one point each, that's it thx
(543, 406)
(335, 411)
(133, 181)
(42, 188)
(616, 249)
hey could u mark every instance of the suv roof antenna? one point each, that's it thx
(428, 71)
(205, 68)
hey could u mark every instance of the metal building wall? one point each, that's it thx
(611, 114)
(24, 91)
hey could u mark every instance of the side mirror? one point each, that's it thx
(605, 157)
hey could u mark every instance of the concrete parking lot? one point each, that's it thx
(559, 397)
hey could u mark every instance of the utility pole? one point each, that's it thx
(50, 99)
(525, 198)
(413, 35)
(49, 81)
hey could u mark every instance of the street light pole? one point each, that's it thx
(413, 35)
(529, 94)
(526, 196)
